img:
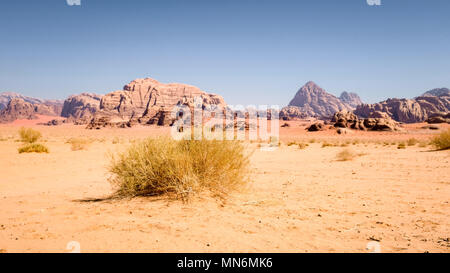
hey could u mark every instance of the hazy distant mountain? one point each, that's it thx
(351, 99)
(437, 92)
(312, 100)
(16, 106)
(5, 97)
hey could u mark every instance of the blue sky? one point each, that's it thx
(249, 51)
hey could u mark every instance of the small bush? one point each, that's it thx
(78, 144)
(33, 148)
(423, 144)
(442, 141)
(163, 165)
(326, 144)
(412, 142)
(292, 143)
(401, 145)
(302, 145)
(29, 135)
(346, 155)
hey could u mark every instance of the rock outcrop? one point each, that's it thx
(313, 101)
(147, 101)
(439, 118)
(318, 126)
(292, 112)
(17, 108)
(81, 108)
(408, 110)
(377, 121)
(352, 99)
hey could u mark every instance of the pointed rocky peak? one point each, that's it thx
(313, 100)
(350, 98)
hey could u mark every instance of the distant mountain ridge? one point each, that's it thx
(435, 102)
(5, 97)
(437, 92)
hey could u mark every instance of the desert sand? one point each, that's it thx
(299, 200)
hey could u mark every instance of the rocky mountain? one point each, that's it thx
(5, 97)
(312, 100)
(81, 108)
(18, 108)
(351, 99)
(147, 101)
(410, 110)
(437, 92)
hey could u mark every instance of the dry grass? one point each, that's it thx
(412, 142)
(29, 135)
(442, 141)
(33, 148)
(302, 145)
(346, 155)
(162, 165)
(326, 144)
(78, 144)
(401, 145)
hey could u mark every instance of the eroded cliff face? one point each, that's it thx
(81, 108)
(408, 110)
(147, 101)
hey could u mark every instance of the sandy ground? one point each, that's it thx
(299, 200)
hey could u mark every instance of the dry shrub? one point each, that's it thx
(423, 144)
(401, 145)
(29, 135)
(326, 144)
(78, 144)
(412, 142)
(442, 141)
(33, 148)
(346, 155)
(292, 143)
(162, 165)
(302, 145)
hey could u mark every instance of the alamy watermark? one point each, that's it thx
(373, 2)
(73, 2)
(201, 120)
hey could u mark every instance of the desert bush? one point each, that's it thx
(412, 142)
(423, 144)
(326, 144)
(442, 141)
(78, 144)
(346, 155)
(33, 148)
(162, 165)
(29, 135)
(302, 145)
(292, 143)
(401, 145)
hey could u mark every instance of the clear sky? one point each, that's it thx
(249, 51)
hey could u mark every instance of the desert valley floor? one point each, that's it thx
(299, 200)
